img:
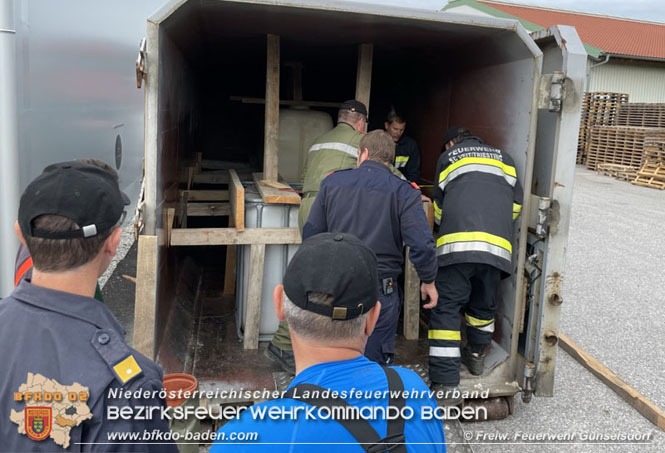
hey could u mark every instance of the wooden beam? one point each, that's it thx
(230, 267)
(237, 197)
(645, 407)
(226, 236)
(289, 102)
(411, 299)
(412, 286)
(271, 136)
(169, 218)
(257, 255)
(207, 195)
(364, 73)
(208, 209)
(145, 306)
(274, 195)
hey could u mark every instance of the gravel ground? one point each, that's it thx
(612, 308)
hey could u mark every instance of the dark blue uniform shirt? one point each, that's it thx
(52, 339)
(382, 210)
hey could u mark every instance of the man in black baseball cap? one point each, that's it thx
(329, 299)
(69, 218)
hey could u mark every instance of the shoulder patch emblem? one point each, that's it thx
(127, 369)
(38, 422)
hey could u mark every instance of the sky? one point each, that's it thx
(652, 10)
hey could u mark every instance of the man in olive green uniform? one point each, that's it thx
(335, 150)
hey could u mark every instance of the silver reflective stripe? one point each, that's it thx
(488, 328)
(477, 167)
(400, 164)
(437, 351)
(473, 247)
(343, 147)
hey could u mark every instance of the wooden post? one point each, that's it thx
(145, 306)
(237, 198)
(364, 73)
(271, 136)
(257, 253)
(411, 299)
(230, 267)
(412, 286)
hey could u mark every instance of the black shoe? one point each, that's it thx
(447, 395)
(284, 358)
(474, 361)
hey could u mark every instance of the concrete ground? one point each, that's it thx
(613, 308)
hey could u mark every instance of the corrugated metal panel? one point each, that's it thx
(644, 82)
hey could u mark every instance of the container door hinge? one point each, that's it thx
(552, 91)
(140, 64)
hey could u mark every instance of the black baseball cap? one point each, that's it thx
(86, 194)
(354, 106)
(453, 132)
(338, 264)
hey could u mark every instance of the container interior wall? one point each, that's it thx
(438, 74)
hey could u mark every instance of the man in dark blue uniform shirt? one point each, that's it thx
(385, 212)
(66, 366)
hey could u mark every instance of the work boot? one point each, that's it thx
(473, 356)
(283, 357)
(447, 395)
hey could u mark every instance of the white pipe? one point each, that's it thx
(8, 147)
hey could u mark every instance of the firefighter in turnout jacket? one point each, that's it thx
(335, 150)
(477, 196)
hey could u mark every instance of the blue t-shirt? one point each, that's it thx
(361, 383)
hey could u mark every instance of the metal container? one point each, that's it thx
(261, 215)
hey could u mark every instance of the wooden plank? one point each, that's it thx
(364, 73)
(169, 218)
(226, 236)
(145, 306)
(411, 299)
(271, 136)
(237, 198)
(230, 267)
(273, 195)
(645, 407)
(412, 286)
(257, 255)
(208, 209)
(207, 195)
(289, 102)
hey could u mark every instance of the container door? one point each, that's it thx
(559, 103)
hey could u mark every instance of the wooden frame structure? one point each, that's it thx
(230, 202)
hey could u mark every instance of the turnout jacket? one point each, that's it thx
(476, 198)
(407, 158)
(382, 210)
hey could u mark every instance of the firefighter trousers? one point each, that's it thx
(464, 287)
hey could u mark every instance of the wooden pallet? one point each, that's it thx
(621, 172)
(652, 174)
(619, 145)
(642, 115)
(598, 109)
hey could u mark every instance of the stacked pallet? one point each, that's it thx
(642, 115)
(621, 172)
(652, 173)
(598, 109)
(620, 145)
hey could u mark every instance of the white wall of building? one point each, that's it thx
(643, 81)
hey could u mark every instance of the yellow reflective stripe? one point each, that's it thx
(444, 335)
(401, 158)
(437, 211)
(507, 169)
(517, 208)
(475, 236)
(475, 322)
